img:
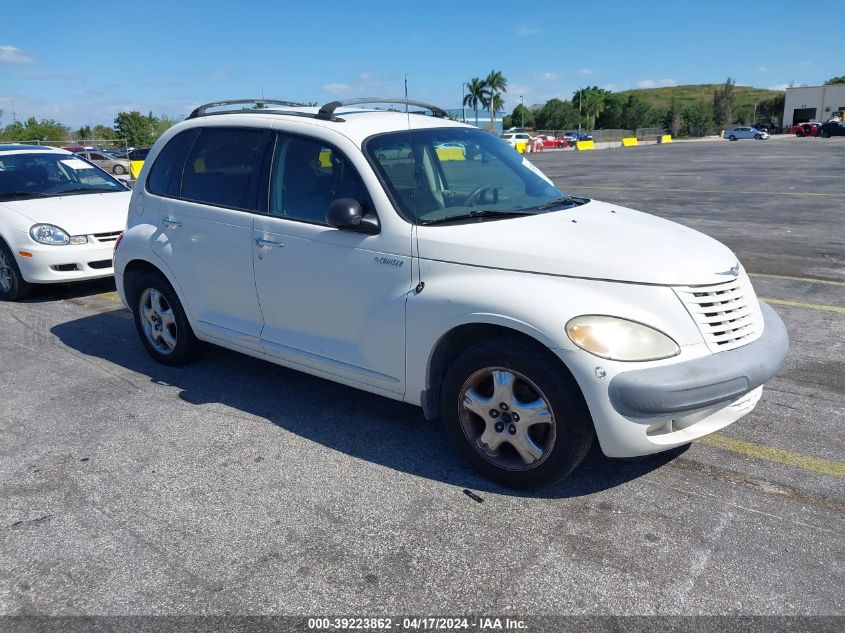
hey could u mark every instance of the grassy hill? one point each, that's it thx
(688, 95)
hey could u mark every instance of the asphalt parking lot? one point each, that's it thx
(233, 486)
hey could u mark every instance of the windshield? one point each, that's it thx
(437, 174)
(43, 175)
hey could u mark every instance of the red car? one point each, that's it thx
(805, 129)
(550, 141)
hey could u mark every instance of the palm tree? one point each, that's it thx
(593, 103)
(495, 85)
(476, 96)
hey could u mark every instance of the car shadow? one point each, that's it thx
(359, 424)
(55, 292)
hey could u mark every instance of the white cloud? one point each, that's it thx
(761, 69)
(779, 87)
(549, 76)
(11, 55)
(647, 83)
(584, 72)
(527, 31)
(668, 82)
(610, 87)
(337, 88)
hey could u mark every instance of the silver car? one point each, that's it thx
(745, 132)
(117, 166)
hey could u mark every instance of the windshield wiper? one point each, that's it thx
(479, 213)
(565, 200)
(82, 189)
(22, 194)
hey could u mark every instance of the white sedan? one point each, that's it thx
(745, 132)
(59, 218)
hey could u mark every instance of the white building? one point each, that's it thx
(813, 103)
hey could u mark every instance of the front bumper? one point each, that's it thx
(57, 264)
(703, 382)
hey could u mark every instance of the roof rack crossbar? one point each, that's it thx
(327, 111)
(200, 111)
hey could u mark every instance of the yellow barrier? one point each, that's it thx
(325, 158)
(666, 138)
(135, 168)
(521, 147)
(450, 153)
(629, 141)
(582, 145)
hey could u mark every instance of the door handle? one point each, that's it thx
(171, 224)
(262, 243)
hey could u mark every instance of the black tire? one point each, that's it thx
(758, 137)
(12, 284)
(119, 170)
(177, 328)
(824, 134)
(731, 138)
(565, 442)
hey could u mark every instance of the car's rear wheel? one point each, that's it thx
(119, 170)
(513, 414)
(731, 138)
(161, 321)
(12, 284)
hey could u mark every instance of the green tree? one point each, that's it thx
(697, 119)
(520, 117)
(34, 130)
(137, 129)
(772, 109)
(557, 115)
(835, 80)
(495, 85)
(592, 103)
(673, 121)
(476, 96)
(162, 124)
(724, 103)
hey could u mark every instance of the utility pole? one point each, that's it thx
(522, 110)
(580, 94)
(463, 103)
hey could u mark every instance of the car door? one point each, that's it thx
(332, 300)
(206, 226)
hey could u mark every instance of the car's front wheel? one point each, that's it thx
(12, 284)
(514, 414)
(824, 134)
(119, 170)
(731, 138)
(161, 321)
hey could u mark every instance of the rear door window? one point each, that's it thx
(223, 167)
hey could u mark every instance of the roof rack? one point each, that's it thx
(327, 111)
(203, 109)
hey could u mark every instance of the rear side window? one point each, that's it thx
(223, 168)
(165, 177)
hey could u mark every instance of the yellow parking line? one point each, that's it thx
(751, 449)
(576, 187)
(798, 304)
(829, 282)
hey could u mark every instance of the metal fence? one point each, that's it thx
(614, 136)
(105, 143)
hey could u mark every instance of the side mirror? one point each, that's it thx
(346, 214)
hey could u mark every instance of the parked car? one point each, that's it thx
(59, 218)
(810, 128)
(575, 136)
(101, 159)
(527, 319)
(550, 141)
(738, 133)
(514, 138)
(832, 128)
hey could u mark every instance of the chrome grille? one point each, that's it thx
(727, 314)
(107, 237)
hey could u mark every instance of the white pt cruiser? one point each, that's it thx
(358, 245)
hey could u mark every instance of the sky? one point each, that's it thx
(82, 62)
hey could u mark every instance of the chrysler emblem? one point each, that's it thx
(733, 272)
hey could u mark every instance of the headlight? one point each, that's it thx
(619, 339)
(49, 234)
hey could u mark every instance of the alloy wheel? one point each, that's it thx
(506, 418)
(158, 321)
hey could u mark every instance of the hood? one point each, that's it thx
(81, 214)
(595, 241)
